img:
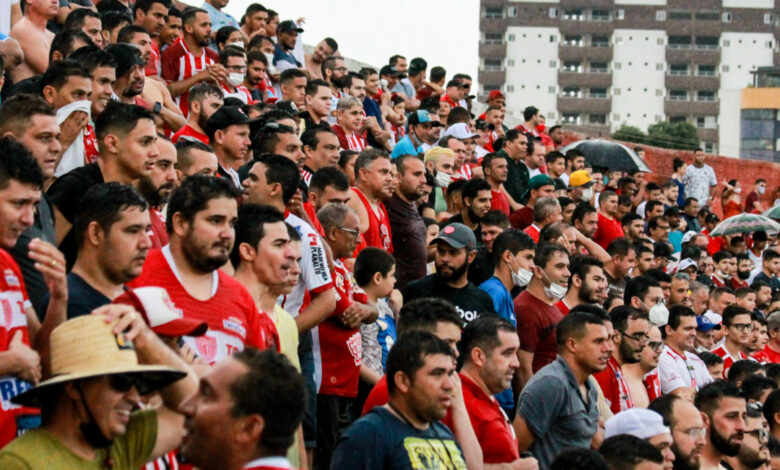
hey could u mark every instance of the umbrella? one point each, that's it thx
(608, 154)
(773, 212)
(745, 223)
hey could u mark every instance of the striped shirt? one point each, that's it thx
(178, 64)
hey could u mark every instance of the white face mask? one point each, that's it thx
(521, 277)
(443, 179)
(659, 315)
(587, 194)
(239, 44)
(555, 291)
(738, 190)
(235, 79)
(723, 275)
(761, 189)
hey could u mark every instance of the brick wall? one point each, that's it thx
(745, 171)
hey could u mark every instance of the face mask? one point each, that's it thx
(540, 128)
(723, 275)
(521, 277)
(587, 194)
(239, 44)
(738, 190)
(235, 79)
(659, 315)
(743, 275)
(761, 189)
(271, 68)
(443, 179)
(555, 291)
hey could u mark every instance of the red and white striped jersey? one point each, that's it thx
(178, 64)
(464, 173)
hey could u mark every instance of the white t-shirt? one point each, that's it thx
(675, 371)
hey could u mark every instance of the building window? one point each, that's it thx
(726, 17)
(553, 64)
(617, 65)
(553, 38)
(511, 37)
(510, 62)
(553, 12)
(659, 66)
(598, 67)
(677, 119)
(571, 92)
(678, 69)
(573, 14)
(706, 70)
(571, 66)
(510, 88)
(511, 11)
(572, 40)
(660, 15)
(709, 147)
(597, 93)
(678, 95)
(770, 44)
(599, 41)
(679, 15)
(621, 14)
(496, 38)
(551, 89)
(488, 88)
(707, 42)
(705, 95)
(599, 119)
(707, 15)
(600, 15)
(679, 42)
(700, 122)
(725, 68)
(493, 65)
(494, 12)
(570, 118)
(768, 18)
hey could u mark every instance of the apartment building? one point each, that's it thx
(594, 65)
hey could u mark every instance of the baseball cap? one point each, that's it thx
(160, 313)
(457, 236)
(421, 116)
(713, 317)
(638, 422)
(455, 82)
(580, 178)
(288, 106)
(537, 182)
(288, 26)
(225, 117)
(689, 236)
(389, 70)
(495, 94)
(461, 131)
(704, 324)
(687, 263)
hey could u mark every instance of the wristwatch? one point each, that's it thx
(157, 108)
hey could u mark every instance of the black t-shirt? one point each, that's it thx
(409, 236)
(379, 440)
(482, 268)
(66, 193)
(469, 300)
(82, 298)
(459, 219)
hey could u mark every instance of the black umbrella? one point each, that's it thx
(608, 154)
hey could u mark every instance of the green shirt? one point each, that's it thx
(39, 450)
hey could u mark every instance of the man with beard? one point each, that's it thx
(204, 99)
(455, 250)
(558, 409)
(151, 16)
(127, 142)
(680, 371)
(476, 196)
(156, 188)
(201, 215)
(622, 261)
(324, 49)
(406, 224)
(587, 284)
(129, 72)
(373, 185)
(642, 376)
(328, 184)
(255, 78)
(723, 407)
(687, 428)
(421, 385)
(228, 131)
(110, 229)
(631, 327)
(421, 128)
(188, 62)
(753, 453)
(537, 315)
(633, 227)
(489, 346)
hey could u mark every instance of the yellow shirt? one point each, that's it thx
(288, 344)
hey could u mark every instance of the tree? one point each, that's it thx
(628, 133)
(680, 135)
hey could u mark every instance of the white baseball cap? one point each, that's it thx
(461, 131)
(638, 422)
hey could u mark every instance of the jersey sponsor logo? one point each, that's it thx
(10, 278)
(11, 387)
(355, 346)
(235, 325)
(430, 453)
(385, 234)
(467, 315)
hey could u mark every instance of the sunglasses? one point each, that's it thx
(656, 345)
(124, 382)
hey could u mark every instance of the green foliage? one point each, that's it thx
(628, 133)
(680, 135)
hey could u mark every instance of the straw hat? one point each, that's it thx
(86, 347)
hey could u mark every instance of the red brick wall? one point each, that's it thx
(745, 171)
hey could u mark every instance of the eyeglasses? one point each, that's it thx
(124, 382)
(742, 326)
(760, 434)
(352, 231)
(695, 433)
(655, 345)
(640, 338)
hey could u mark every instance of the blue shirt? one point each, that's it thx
(280, 55)
(505, 308)
(386, 334)
(405, 147)
(219, 18)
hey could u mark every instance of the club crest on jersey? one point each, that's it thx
(10, 278)
(234, 325)
(207, 347)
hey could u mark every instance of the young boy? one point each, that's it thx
(714, 364)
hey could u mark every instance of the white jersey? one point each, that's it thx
(675, 371)
(315, 273)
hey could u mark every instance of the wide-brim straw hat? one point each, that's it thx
(86, 347)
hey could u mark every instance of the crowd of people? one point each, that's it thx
(222, 252)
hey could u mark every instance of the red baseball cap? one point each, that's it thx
(159, 312)
(495, 94)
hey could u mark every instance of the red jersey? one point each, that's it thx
(533, 232)
(338, 349)
(491, 425)
(241, 93)
(14, 419)
(158, 233)
(728, 359)
(499, 201)
(652, 384)
(398, 132)
(187, 132)
(178, 64)
(608, 230)
(562, 307)
(90, 145)
(464, 173)
(767, 356)
(230, 312)
(615, 388)
(153, 66)
(308, 207)
(378, 233)
(351, 141)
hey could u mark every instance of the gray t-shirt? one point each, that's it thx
(556, 413)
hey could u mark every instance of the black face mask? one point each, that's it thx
(91, 431)
(744, 275)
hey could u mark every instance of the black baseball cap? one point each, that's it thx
(457, 236)
(288, 26)
(225, 117)
(390, 70)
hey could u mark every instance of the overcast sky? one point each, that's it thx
(443, 32)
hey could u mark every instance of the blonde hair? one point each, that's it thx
(433, 154)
